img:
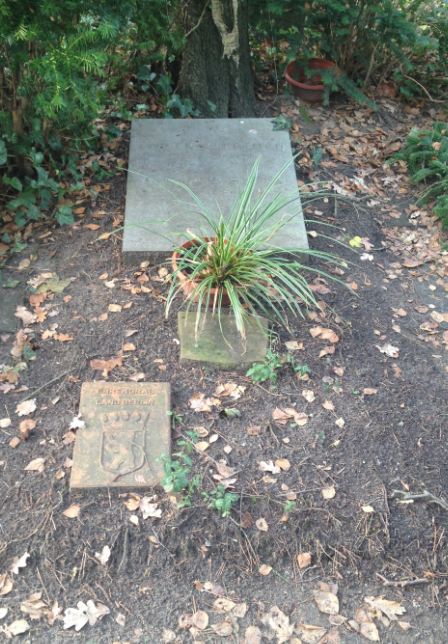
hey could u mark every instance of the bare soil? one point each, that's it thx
(387, 431)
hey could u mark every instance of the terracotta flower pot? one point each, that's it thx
(187, 284)
(308, 89)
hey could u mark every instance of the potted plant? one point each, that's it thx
(307, 78)
(236, 264)
(315, 79)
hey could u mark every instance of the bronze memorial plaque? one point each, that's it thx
(126, 435)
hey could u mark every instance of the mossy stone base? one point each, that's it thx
(225, 347)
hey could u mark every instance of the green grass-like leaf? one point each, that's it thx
(238, 261)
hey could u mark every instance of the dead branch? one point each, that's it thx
(424, 496)
(433, 100)
(404, 583)
(201, 17)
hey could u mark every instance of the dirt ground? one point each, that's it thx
(363, 430)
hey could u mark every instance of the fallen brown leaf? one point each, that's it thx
(309, 395)
(389, 350)
(26, 427)
(326, 601)
(324, 334)
(36, 465)
(304, 560)
(200, 620)
(199, 402)
(5, 584)
(73, 510)
(310, 634)
(19, 562)
(26, 316)
(328, 492)
(284, 415)
(26, 407)
(106, 365)
(18, 627)
(262, 524)
(390, 608)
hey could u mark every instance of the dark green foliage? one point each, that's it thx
(426, 154)
(370, 41)
(57, 62)
(50, 55)
(62, 63)
(429, 65)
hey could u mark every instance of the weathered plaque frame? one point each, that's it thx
(126, 435)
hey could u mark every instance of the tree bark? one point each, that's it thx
(216, 71)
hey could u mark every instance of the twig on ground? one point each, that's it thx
(271, 393)
(424, 496)
(255, 557)
(61, 375)
(273, 433)
(47, 384)
(43, 585)
(433, 100)
(404, 583)
(125, 554)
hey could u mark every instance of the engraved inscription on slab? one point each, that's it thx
(126, 435)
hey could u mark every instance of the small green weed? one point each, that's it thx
(221, 500)
(176, 474)
(282, 122)
(289, 507)
(301, 369)
(178, 477)
(176, 419)
(178, 480)
(268, 370)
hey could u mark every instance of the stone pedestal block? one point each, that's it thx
(221, 344)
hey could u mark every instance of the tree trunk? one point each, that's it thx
(216, 73)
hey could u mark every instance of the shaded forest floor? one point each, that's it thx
(323, 462)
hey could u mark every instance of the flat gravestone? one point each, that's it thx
(10, 299)
(211, 156)
(219, 343)
(126, 435)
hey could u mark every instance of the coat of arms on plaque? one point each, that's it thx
(123, 441)
(126, 435)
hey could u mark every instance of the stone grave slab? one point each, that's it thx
(126, 435)
(210, 347)
(10, 299)
(211, 156)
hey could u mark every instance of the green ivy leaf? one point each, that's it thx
(14, 182)
(64, 216)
